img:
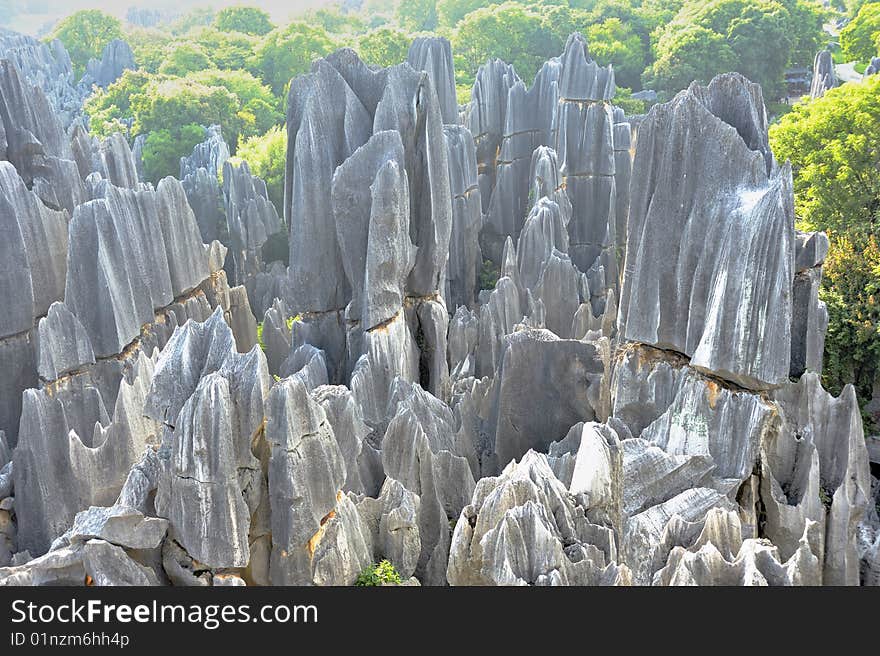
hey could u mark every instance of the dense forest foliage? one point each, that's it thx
(232, 67)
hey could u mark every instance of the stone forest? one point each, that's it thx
(525, 340)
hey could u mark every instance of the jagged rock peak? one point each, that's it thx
(582, 78)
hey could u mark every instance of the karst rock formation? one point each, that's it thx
(635, 401)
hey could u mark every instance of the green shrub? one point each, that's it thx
(378, 574)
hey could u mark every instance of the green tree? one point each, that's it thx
(149, 46)
(806, 18)
(335, 21)
(108, 108)
(247, 20)
(763, 35)
(613, 42)
(834, 147)
(384, 47)
(289, 51)
(164, 148)
(85, 34)
(450, 12)
(688, 54)
(185, 57)
(266, 155)
(199, 17)
(417, 15)
(257, 107)
(857, 40)
(228, 50)
(511, 32)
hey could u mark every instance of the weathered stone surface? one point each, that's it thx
(120, 525)
(71, 456)
(108, 564)
(485, 119)
(737, 211)
(116, 58)
(708, 419)
(251, 219)
(306, 475)
(34, 244)
(62, 343)
(419, 451)
(131, 253)
(47, 66)
(646, 544)
(465, 256)
(524, 528)
(199, 490)
(824, 77)
(813, 420)
(62, 567)
(544, 386)
(433, 55)
(326, 123)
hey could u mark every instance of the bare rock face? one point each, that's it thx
(544, 386)
(131, 253)
(736, 204)
(73, 454)
(251, 219)
(63, 343)
(824, 77)
(465, 257)
(116, 58)
(306, 475)
(524, 528)
(35, 246)
(420, 452)
(825, 434)
(47, 66)
(433, 55)
(486, 117)
(211, 399)
(563, 426)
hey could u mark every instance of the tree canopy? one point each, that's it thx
(834, 147)
(85, 34)
(858, 39)
(247, 20)
(289, 51)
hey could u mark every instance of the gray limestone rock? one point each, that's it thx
(108, 564)
(583, 79)
(393, 520)
(251, 219)
(465, 256)
(71, 456)
(544, 385)
(326, 123)
(199, 489)
(61, 567)
(306, 474)
(34, 245)
(708, 419)
(738, 218)
(62, 344)
(433, 55)
(486, 117)
(523, 528)
(420, 452)
(131, 253)
(824, 77)
(834, 427)
(809, 321)
(116, 58)
(645, 539)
